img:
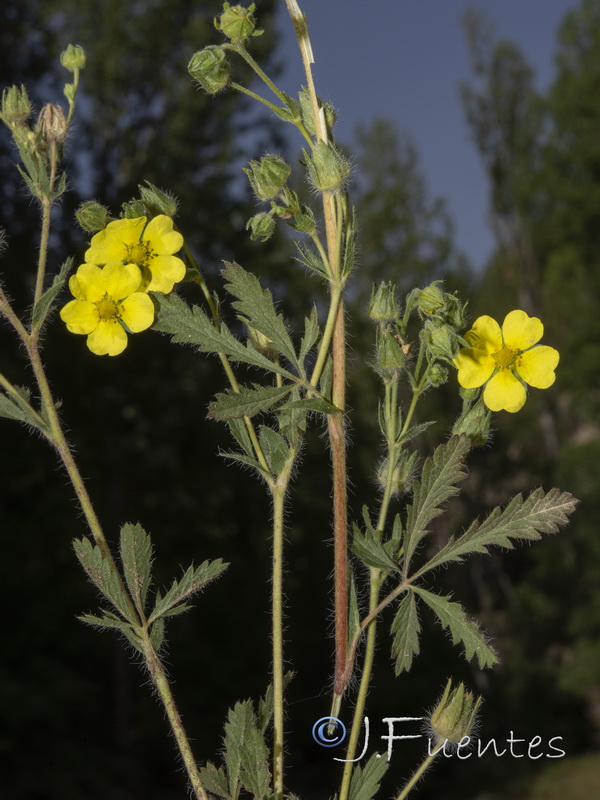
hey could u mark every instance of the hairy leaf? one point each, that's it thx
(44, 305)
(311, 334)
(441, 472)
(239, 721)
(103, 575)
(524, 520)
(136, 557)
(310, 258)
(366, 780)
(255, 775)
(275, 449)
(214, 780)
(239, 431)
(462, 629)
(312, 404)
(256, 304)
(405, 630)
(370, 549)
(192, 581)
(247, 402)
(191, 326)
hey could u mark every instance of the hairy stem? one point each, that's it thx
(415, 777)
(277, 627)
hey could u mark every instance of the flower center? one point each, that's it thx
(139, 254)
(107, 309)
(505, 358)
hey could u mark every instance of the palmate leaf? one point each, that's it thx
(190, 325)
(441, 472)
(192, 581)
(247, 402)
(405, 630)
(256, 304)
(366, 780)
(462, 629)
(521, 520)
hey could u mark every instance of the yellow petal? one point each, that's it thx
(537, 366)
(80, 316)
(166, 271)
(109, 338)
(474, 367)
(485, 335)
(88, 283)
(504, 392)
(161, 236)
(122, 280)
(520, 331)
(111, 243)
(137, 312)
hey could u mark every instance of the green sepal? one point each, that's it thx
(192, 581)
(366, 780)
(405, 631)
(136, 557)
(246, 402)
(462, 629)
(45, 304)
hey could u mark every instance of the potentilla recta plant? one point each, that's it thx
(126, 284)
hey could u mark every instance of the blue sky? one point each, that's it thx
(405, 60)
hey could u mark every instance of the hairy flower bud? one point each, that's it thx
(237, 23)
(16, 107)
(454, 716)
(210, 68)
(440, 340)
(92, 216)
(52, 124)
(403, 473)
(304, 221)
(157, 201)
(438, 374)
(261, 227)
(474, 423)
(383, 306)
(431, 299)
(268, 176)
(307, 115)
(73, 58)
(327, 168)
(133, 209)
(391, 354)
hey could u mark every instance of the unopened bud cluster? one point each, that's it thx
(328, 170)
(210, 68)
(237, 23)
(454, 717)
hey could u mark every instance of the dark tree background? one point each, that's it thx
(78, 719)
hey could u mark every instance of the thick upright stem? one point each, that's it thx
(277, 623)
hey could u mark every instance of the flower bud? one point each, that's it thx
(237, 23)
(431, 299)
(261, 227)
(210, 68)
(92, 216)
(307, 115)
(157, 201)
(133, 209)
(403, 473)
(16, 107)
(454, 716)
(327, 168)
(440, 340)
(73, 58)
(455, 311)
(474, 423)
(391, 354)
(51, 124)
(268, 176)
(383, 306)
(438, 374)
(304, 221)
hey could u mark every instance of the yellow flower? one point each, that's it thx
(105, 298)
(150, 247)
(506, 359)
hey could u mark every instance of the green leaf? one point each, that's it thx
(521, 520)
(103, 575)
(265, 708)
(191, 326)
(462, 629)
(310, 259)
(311, 334)
(405, 630)
(366, 780)
(349, 256)
(441, 472)
(369, 548)
(110, 620)
(136, 557)
(258, 307)
(255, 775)
(17, 407)
(413, 432)
(312, 404)
(239, 431)
(275, 449)
(353, 610)
(247, 402)
(239, 721)
(214, 780)
(157, 633)
(247, 461)
(44, 305)
(192, 581)
(326, 379)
